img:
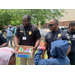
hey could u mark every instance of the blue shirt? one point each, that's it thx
(9, 33)
(52, 36)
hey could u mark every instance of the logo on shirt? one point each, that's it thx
(30, 32)
(73, 36)
(59, 35)
(48, 36)
(67, 36)
(69, 41)
(21, 31)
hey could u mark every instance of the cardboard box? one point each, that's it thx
(25, 54)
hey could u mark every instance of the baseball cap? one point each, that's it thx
(9, 25)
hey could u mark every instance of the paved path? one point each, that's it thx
(12, 44)
(44, 31)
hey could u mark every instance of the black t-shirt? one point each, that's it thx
(72, 35)
(52, 36)
(32, 34)
(2, 39)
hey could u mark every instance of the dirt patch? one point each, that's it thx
(47, 30)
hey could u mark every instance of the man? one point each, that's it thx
(71, 32)
(54, 34)
(27, 34)
(15, 30)
(3, 41)
(9, 35)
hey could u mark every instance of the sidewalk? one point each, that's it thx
(12, 44)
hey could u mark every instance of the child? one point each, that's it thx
(7, 56)
(58, 52)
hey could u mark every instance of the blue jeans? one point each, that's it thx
(9, 38)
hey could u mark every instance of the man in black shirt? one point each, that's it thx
(27, 34)
(71, 32)
(54, 34)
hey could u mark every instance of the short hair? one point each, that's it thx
(27, 16)
(57, 22)
(13, 55)
(72, 23)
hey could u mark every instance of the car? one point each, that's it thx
(65, 28)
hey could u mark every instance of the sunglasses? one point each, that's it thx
(51, 25)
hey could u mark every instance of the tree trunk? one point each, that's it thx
(3, 23)
(38, 25)
(8, 22)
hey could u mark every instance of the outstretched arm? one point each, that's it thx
(39, 61)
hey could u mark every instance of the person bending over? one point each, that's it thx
(58, 52)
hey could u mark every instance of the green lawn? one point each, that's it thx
(18, 59)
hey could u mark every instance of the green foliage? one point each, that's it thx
(14, 16)
(2, 28)
(42, 22)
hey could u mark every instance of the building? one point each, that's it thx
(68, 17)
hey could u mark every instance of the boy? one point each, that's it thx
(58, 52)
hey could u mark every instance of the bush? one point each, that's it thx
(2, 28)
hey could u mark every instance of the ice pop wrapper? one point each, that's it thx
(20, 49)
(28, 50)
(43, 40)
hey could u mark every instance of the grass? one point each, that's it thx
(18, 59)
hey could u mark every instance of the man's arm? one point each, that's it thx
(9, 29)
(69, 49)
(36, 45)
(16, 37)
(68, 38)
(16, 41)
(4, 44)
(37, 37)
(44, 50)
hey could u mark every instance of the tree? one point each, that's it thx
(14, 16)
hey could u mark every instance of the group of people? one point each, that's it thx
(58, 43)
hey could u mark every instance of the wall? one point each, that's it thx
(65, 23)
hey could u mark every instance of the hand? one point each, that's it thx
(0, 46)
(42, 57)
(17, 47)
(33, 49)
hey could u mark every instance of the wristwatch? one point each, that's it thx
(35, 48)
